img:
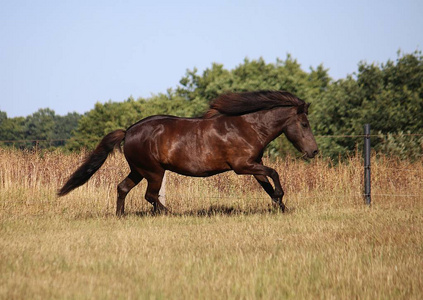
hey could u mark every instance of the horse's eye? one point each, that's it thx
(305, 125)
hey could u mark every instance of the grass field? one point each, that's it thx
(223, 239)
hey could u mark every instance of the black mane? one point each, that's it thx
(248, 102)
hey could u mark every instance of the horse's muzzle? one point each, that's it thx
(310, 154)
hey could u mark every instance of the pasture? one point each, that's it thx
(223, 238)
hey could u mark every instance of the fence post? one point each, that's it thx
(367, 181)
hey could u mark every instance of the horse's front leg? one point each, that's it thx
(258, 169)
(265, 184)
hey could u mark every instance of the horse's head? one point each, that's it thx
(299, 133)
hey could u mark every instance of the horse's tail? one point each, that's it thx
(94, 161)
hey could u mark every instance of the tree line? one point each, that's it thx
(43, 129)
(389, 96)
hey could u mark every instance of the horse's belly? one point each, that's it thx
(199, 166)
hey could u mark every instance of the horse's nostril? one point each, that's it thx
(315, 152)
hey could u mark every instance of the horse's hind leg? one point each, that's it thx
(123, 189)
(152, 193)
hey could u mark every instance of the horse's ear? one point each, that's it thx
(306, 108)
(303, 108)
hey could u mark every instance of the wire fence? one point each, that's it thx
(61, 142)
(369, 135)
(51, 141)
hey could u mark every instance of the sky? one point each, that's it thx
(68, 55)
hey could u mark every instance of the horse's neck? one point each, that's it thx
(269, 124)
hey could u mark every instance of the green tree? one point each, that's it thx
(103, 119)
(110, 116)
(42, 129)
(389, 97)
(64, 126)
(11, 129)
(40, 125)
(254, 75)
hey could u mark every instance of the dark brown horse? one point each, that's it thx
(231, 135)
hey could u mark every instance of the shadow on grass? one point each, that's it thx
(212, 211)
(216, 210)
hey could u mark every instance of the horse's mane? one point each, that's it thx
(248, 102)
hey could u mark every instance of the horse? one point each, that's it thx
(231, 135)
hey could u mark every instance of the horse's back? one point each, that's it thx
(189, 146)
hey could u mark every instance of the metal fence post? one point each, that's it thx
(367, 181)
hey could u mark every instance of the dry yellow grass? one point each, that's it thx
(222, 240)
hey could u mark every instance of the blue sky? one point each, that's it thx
(67, 55)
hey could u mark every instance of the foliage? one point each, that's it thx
(113, 115)
(388, 96)
(11, 128)
(42, 129)
(254, 75)
(402, 145)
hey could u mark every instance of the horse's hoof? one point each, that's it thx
(161, 210)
